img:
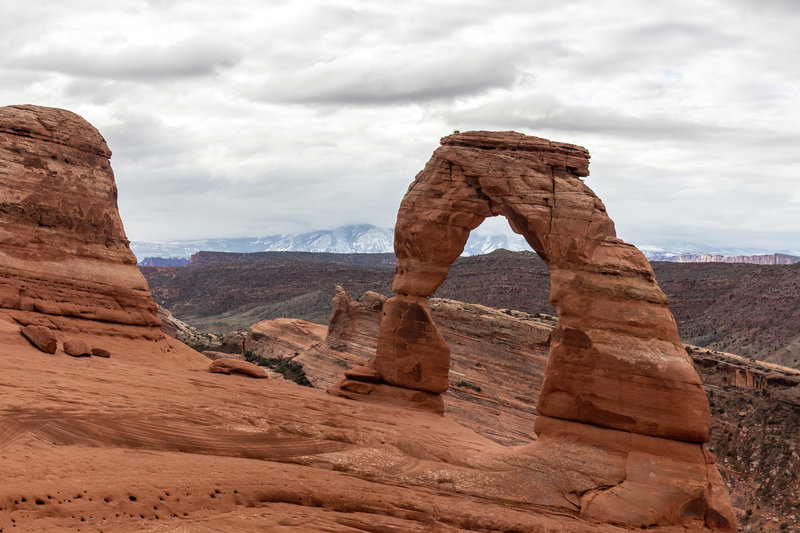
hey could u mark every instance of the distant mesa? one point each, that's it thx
(355, 239)
(757, 259)
(617, 376)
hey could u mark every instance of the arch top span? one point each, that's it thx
(616, 359)
(534, 183)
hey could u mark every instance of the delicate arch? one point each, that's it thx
(616, 359)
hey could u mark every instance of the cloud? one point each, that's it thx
(389, 75)
(185, 59)
(540, 112)
(248, 117)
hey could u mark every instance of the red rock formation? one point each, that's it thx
(64, 257)
(41, 337)
(282, 337)
(234, 366)
(77, 348)
(616, 360)
(615, 340)
(414, 353)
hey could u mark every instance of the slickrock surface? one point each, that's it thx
(124, 445)
(616, 361)
(282, 337)
(64, 257)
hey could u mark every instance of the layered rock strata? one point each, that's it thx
(617, 371)
(65, 263)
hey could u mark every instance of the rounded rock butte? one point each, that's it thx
(65, 263)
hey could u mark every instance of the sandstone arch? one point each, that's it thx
(616, 359)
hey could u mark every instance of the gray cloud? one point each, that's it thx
(544, 112)
(385, 76)
(246, 117)
(186, 59)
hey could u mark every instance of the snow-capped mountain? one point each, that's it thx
(365, 238)
(362, 238)
(693, 253)
(358, 239)
(483, 244)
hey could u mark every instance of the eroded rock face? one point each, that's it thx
(622, 405)
(282, 338)
(62, 244)
(64, 257)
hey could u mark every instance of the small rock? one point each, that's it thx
(101, 352)
(41, 337)
(232, 366)
(77, 348)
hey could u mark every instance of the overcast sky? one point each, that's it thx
(247, 118)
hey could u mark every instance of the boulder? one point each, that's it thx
(234, 366)
(41, 337)
(77, 348)
(101, 352)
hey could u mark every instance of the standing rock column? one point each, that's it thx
(411, 352)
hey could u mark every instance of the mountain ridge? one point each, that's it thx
(367, 238)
